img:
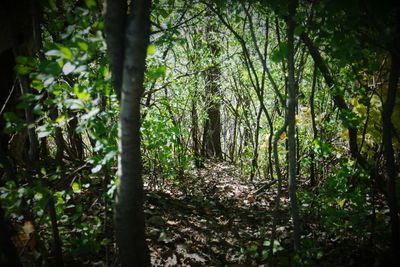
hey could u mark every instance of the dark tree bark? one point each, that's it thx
(390, 167)
(59, 139)
(314, 127)
(291, 114)
(195, 130)
(129, 215)
(8, 97)
(33, 152)
(254, 160)
(76, 150)
(279, 188)
(8, 251)
(24, 30)
(212, 126)
(57, 243)
(115, 26)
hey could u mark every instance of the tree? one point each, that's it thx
(212, 125)
(387, 113)
(291, 115)
(129, 32)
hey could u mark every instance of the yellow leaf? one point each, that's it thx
(283, 136)
(341, 203)
(28, 227)
(60, 119)
(151, 49)
(76, 188)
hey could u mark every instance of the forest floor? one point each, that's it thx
(215, 216)
(218, 218)
(215, 219)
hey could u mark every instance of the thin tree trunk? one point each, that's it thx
(58, 134)
(33, 152)
(195, 130)
(75, 139)
(388, 149)
(234, 137)
(279, 189)
(291, 113)
(270, 137)
(254, 160)
(314, 127)
(57, 244)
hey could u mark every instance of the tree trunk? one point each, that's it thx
(75, 140)
(129, 215)
(314, 127)
(212, 130)
(8, 250)
(195, 129)
(115, 27)
(254, 160)
(388, 149)
(291, 113)
(279, 188)
(33, 152)
(57, 243)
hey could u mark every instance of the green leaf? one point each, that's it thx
(91, 114)
(61, 52)
(279, 53)
(298, 30)
(81, 94)
(53, 68)
(26, 101)
(43, 131)
(105, 71)
(74, 104)
(23, 70)
(29, 61)
(90, 3)
(109, 156)
(11, 117)
(350, 119)
(83, 45)
(221, 3)
(61, 119)
(66, 52)
(38, 196)
(253, 248)
(54, 53)
(97, 168)
(22, 60)
(165, 13)
(154, 74)
(68, 68)
(37, 84)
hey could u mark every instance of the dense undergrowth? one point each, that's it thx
(216, 217)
